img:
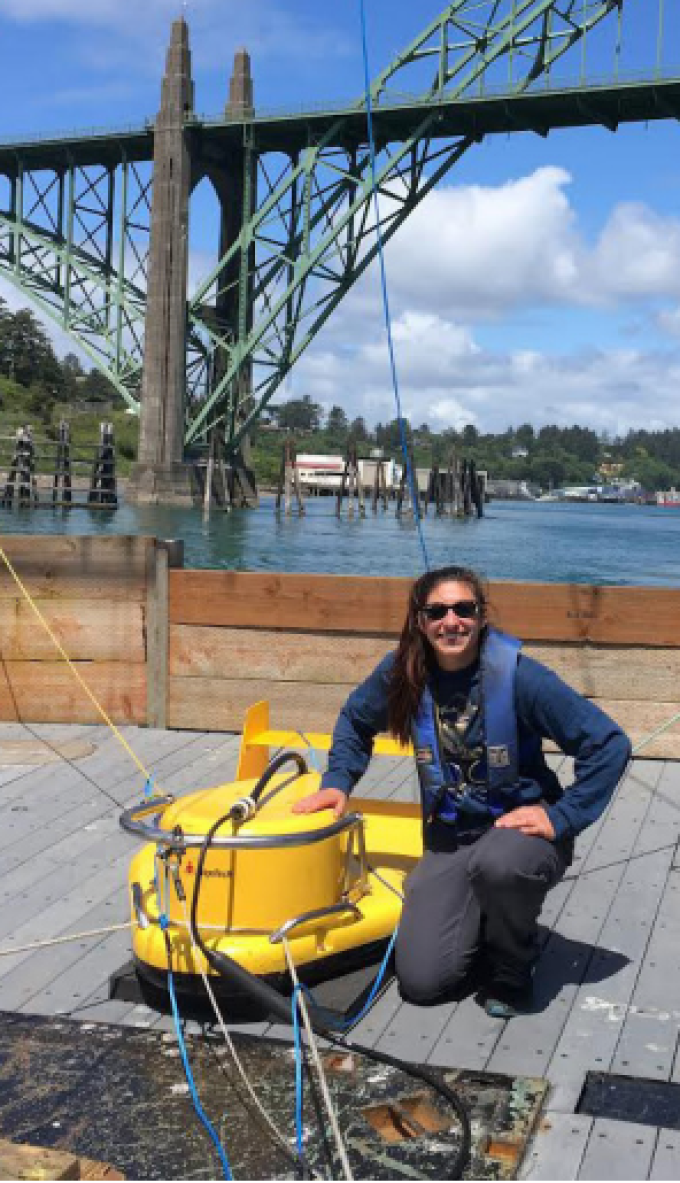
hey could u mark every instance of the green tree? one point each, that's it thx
(524, 436)
(298, 414)
(651, 473)
(27, 351)
(358, 430)
(582, 443)
(337, 425)
(547, 471)
(96, 388)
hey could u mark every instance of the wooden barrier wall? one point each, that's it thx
(303, 641)
(99, 597)
(193, 649)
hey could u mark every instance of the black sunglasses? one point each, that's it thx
(464, 610)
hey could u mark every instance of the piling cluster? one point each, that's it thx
(25, 457)
(458, 490)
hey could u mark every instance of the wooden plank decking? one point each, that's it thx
(607, 993)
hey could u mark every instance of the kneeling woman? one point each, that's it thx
(498, 828)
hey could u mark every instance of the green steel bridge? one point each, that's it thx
(79, 215)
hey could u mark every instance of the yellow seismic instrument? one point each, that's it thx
(329, 886)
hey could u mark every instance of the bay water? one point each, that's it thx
(525, 541)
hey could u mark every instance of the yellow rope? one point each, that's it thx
(109, 722)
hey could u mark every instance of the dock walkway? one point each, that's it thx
(607, 993)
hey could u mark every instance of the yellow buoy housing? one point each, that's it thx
(247, 894)
(257, 889)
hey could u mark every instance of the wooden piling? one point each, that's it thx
(351, 481)
(410, 485)
(289, 480)
(61, 487)
(21, 483)
(379, 486)
(103, 479)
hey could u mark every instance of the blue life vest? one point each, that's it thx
(496, 789)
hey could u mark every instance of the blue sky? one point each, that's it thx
(541, 282)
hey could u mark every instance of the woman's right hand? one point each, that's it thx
(333, 799)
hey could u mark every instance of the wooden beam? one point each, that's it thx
(70, 566)
(220, 705)
(89, 630)
(376, 606)
(36, 1162)
(212, 704)
(280, 656)
(20, 1161)
(257, 654)
(47, 692)
(157, 636)
(311, 603)
(578, 612)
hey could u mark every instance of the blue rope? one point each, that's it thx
(190, 1081)
(203, 1117)
(376, 985)
(386, 304)
(338, 1026)
(299, 1095)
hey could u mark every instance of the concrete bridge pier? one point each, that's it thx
(160, 473)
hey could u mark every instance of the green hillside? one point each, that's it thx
(40, 389)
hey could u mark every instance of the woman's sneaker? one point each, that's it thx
(503, 1001)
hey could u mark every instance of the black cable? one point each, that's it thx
(226, 966)
(274, 765)
(323, 1020)
(438, 1086)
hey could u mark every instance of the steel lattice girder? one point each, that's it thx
(74, 232)
(312, 235)
(75, 240)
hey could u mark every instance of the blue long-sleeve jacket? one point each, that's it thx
(545, 706)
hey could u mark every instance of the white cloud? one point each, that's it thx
(446, 379)
(476, 252)
(669, 321)
(638, 254)
(470, 256)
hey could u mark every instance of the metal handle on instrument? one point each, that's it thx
(316, 914)
(132, 822)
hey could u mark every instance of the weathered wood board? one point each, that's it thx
(74, 566)
(93, 595)
(246, 653)
(88, 630)
(340, 603)
(47, 692)
(19, 1161)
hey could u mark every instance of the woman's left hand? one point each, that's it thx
(528, 819)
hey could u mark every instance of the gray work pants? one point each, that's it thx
(459, 900)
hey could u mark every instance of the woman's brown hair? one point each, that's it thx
(414, 660)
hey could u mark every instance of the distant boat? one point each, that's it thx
(668, 499)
